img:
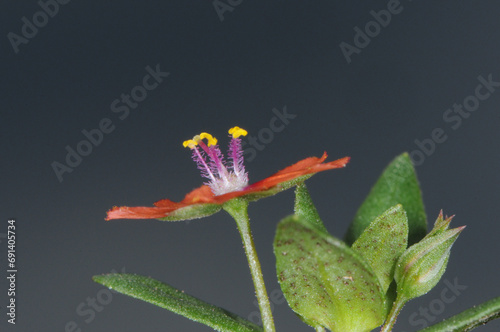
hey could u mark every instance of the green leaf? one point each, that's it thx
(398, 184)
(170, 298)
(382, 242)
(325, 282)
(469, 319)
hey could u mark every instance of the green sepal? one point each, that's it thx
(175, 300)
(440, 225)
(304, 208)
(324, 281)
(398, 184)
(383, 241)
(277, 189)
(195, 211)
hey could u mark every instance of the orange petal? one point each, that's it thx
(202, 194)
(140, 212)
(306, 166)
(163, 207)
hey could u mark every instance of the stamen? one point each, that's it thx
(210, 139)
(237, 132)
(189, 143)
(202, 165)
(221, 180)
(216, 161)
(236, 155)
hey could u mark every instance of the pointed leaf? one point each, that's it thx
(325, 282)
(398, 184)
(170, 298)
(382, 242)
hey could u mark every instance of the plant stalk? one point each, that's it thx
(470, 318)
(237, 208)
(393, 314)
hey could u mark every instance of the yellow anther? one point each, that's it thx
(237, 132)
(189, 143)
(210, 139)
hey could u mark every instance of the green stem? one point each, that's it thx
(237, 208)
(393, 314)
(470, 318)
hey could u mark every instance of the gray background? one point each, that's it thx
(262, 55)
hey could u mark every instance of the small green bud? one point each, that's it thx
(421, 266)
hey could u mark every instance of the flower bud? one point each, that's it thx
(421, 266)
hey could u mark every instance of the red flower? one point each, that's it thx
(203, 201)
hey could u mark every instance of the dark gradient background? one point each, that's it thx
(263, 55)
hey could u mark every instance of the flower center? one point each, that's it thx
(224, 176)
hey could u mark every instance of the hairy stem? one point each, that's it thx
(237, 208)
(470, 318)
(393, 315)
